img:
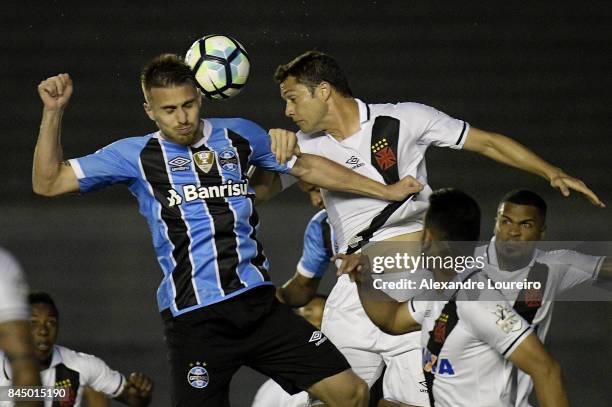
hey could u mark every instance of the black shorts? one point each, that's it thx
(207, 346)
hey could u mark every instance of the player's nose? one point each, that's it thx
(289, 110)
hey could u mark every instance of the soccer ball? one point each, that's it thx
(220, 64)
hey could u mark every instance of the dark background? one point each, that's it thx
(537, 71)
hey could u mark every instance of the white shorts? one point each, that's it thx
(368, 349)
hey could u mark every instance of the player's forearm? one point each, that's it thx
(549, 387)
(510, 152)
(48, 153)
(327, 174)
(298, 291)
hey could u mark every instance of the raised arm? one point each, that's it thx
(532, 358)
(389, 315)
(50, 175)
(507, 151)
(327, 174)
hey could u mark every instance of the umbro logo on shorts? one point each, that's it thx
(317, 337)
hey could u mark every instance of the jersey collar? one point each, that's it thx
(364, 111)
(491, 257)
(206, 129)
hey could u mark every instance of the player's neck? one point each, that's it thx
(343, 118)
(513, 264)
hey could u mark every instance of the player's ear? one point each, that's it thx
(148, 110)
(323, 90)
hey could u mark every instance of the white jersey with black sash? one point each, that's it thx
(390, 145)
(466, 342)
(556, 271)
(72, 371)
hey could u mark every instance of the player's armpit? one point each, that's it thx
(62, 182)
(532, 358)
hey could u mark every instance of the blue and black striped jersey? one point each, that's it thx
(198, 205)
(319, 246)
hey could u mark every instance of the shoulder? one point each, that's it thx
(128, 145)
(403, 110)
(557, 256)
(243, 127)
(79, 361)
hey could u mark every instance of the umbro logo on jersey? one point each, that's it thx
(193, 192)
(179, 163)
(354, 162)
(317, 337)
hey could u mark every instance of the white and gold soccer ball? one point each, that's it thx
(220, 64)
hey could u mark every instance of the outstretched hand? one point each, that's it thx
(564, 183)
(55, 92)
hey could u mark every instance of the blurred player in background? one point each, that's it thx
(512, 256)
(384, 142)
(190, 179)
(70, 370)
(467, 335)
(15, 339)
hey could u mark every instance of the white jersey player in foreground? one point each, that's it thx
(15, 340)
(512, 257)
(467, 337)
(384, 142)
(72, 371)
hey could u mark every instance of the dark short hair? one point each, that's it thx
(526, 197)
(41, 297)
(166, 70)
(453, 215)
(313, 67)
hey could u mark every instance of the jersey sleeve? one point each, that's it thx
(261, 151)
(13, 290)
(100, 377)
(417, 309)
(495, 323)
(577, 268)
(315, 254)
(434, 127)
(105, 167)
